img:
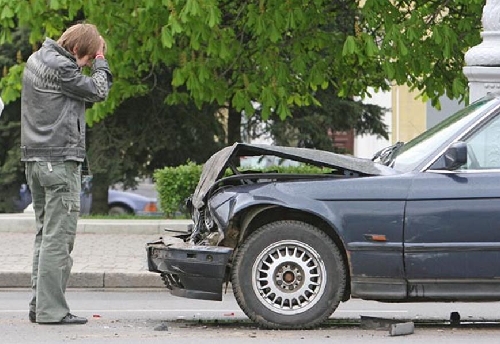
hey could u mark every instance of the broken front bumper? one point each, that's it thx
(195, 272)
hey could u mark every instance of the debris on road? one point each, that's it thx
(395, 327)
(161, 327)
(455, 319)
(376, 323)
(401, 329)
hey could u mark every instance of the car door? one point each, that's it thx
(452, 225)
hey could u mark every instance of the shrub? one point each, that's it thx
(175, 185)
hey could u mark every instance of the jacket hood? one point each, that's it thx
(50, 44)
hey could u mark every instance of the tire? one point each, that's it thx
(119, 210)
(288, 275)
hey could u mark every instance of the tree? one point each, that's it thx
(276, 52)
(144, 135)
(11, 168)
(11, 171)
(314, 126)
(287, 55)
(419, 43)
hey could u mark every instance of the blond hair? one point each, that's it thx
(84, 37)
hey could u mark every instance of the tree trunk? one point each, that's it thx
(9, 196)
(99, 194)
(233, 126)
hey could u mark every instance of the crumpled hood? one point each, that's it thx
(216, 165)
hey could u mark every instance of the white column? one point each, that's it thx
(483, 61)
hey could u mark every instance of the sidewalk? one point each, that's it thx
(107, 253)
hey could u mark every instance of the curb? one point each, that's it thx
(131, 226)
(22, 279)
(25, 223)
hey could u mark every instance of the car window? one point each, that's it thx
(483, 146)
(417, 150)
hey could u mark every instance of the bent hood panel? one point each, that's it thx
(216, 165)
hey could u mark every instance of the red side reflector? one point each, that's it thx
(375, 237)
(379, 237)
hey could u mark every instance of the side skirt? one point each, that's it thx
(378, 289)
(399, 290)
(454, 290)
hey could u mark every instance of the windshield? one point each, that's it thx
(413, 153)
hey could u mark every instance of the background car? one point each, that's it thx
(119, 202)
(122, 203)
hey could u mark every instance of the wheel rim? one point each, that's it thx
(289, 277)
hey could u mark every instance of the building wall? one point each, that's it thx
(408, 114)
(407, 117)
(367, 145)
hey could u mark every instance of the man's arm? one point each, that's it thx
(92, 88)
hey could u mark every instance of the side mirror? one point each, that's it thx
(455, 156)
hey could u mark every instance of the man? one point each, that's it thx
(53, 148)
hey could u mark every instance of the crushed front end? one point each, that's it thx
(189, 270)
(193, 265)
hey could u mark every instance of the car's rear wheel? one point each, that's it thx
(288, 275)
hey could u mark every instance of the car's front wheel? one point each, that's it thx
(288, 275)
(118, 210)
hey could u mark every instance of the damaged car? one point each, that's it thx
(418, 222)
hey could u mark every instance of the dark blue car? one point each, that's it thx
(419, 222)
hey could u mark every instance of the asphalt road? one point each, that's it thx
(155, 316)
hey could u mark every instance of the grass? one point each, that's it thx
(122, 217)
(133, 217)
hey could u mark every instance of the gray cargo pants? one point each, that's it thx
(55, 189)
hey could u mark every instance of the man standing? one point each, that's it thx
(53, 148)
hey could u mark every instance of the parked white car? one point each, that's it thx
(119, 203)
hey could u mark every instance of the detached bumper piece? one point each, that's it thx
(195, 272)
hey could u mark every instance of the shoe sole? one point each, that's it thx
(62, 323)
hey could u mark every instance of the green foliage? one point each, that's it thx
(175, 185)
(311, 126)
(11, 168)
(422, 43)
(294, 57)
(121, 217)
(301, 169)
(144, 134)
(279, 53)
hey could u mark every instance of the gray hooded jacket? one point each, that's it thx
(53, 103)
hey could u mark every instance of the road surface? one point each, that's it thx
(154, 316)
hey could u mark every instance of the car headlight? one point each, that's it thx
(208, 219)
